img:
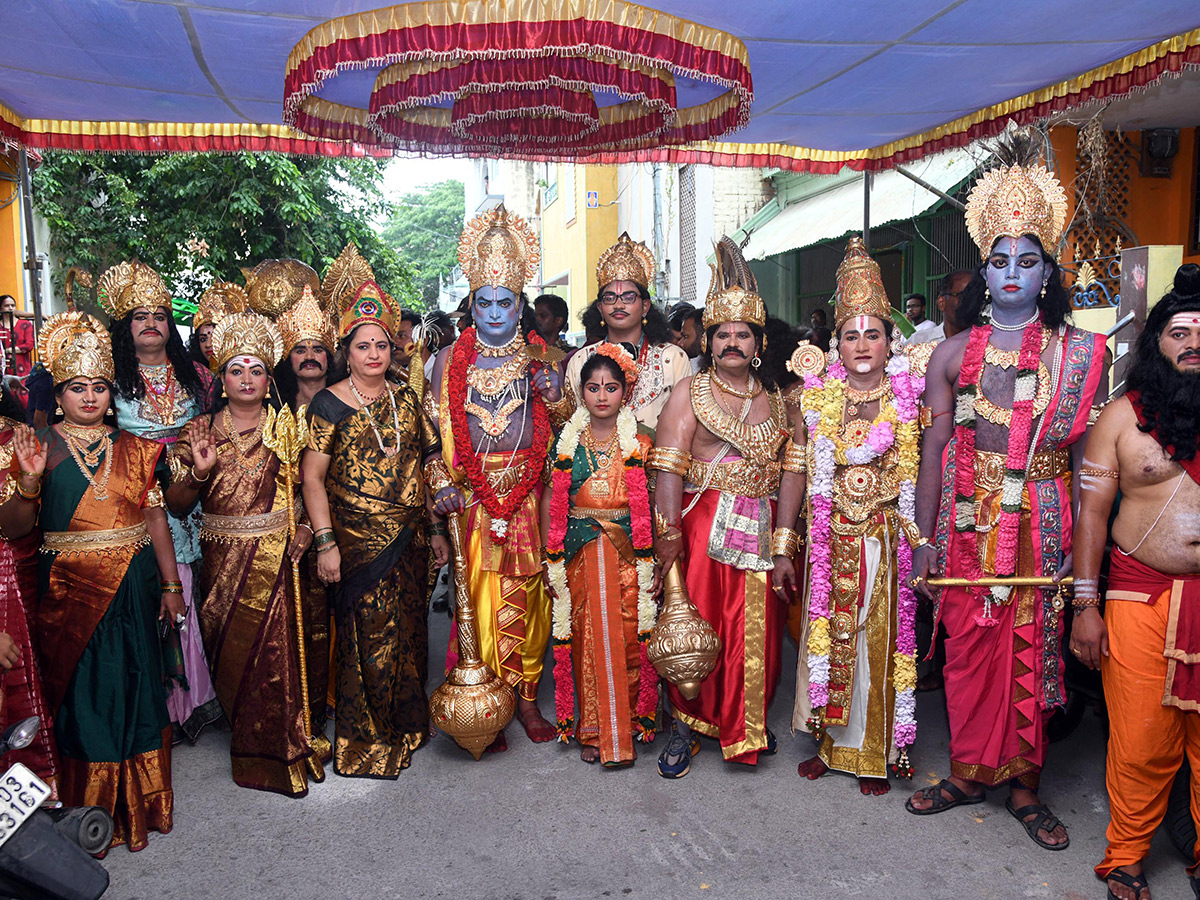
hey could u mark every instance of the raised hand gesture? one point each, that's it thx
(548, 381)
(204, 449)
(30, 452)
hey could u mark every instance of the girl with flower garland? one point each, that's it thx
(596, 516)
(856, 680)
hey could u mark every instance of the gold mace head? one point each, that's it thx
(683, 647)
(472, 706)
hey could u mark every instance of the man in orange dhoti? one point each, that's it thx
(1147, 645)
(492, 401)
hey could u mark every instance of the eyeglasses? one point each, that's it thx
(627, 299)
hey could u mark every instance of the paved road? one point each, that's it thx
(535, 823)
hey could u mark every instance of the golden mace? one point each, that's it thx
(1004, 581)
(286, 435)
(473, 705)
(683, 647)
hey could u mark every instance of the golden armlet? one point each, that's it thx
(669, 459)
(1094, 412)
(913, 534)
(784, 542)
(926, 416)
(154, 497)
(1099, 473)
(794, 459)
(175, 464)
(662, 523)
(563, 408)
(437, 476)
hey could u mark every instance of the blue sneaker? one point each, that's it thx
(676, 760)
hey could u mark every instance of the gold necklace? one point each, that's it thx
(99, 487)
(387, 451)
(87, 435)
(603, 458)
(494, 423)
(509, 349)
(491, 382)
(999, 415)
(855, 397)
(759, 443)
(242, 448)
(750, 393)
(1009, 359)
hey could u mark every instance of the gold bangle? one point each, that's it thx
(192, 472)
(437, 476)
(1086, 602)
(794, 459)
(29, 496)
(669, 459)
(784, 542)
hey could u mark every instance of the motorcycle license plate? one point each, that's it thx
(21, 792)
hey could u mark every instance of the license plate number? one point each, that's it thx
(21, 792)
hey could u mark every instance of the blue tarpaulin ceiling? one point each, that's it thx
(802, 85)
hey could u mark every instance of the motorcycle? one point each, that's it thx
(46, 853)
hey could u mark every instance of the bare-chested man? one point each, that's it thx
(721, 440)
(1145, 444)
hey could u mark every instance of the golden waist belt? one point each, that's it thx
(602, 515)
(740, 476)
(990, 467)
(95, 541)
(243, 528)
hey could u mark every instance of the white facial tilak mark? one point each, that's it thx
(859, 323)
(862, 367)
(1184, 320)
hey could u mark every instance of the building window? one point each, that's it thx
(550, 181)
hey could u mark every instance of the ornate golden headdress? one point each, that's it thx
(860, 289)
(369, 305)
(345, 275)
(306, 322)
(245, 334)
(733, 291)
(221, 299)
(76, 345)
(1020, 197)
(128, 285)
(274, 285)
(498, 248)
(626, 260)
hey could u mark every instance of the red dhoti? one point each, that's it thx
(739, 604)
(1152, 704)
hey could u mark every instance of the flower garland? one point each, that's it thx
(895, 426)
(643, 548)
(1016, 460)
(500, 511)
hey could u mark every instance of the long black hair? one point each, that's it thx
(657, 329)
(1055, 306)
(1170, 399)
(767, 373)
(125, 360)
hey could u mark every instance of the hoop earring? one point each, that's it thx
(756, 362)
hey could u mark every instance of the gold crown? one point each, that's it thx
(245, 334)
(626, 260)
(76, 345)
(860, 289)
(370, 305)
(221, 299)
(733, 291)
(497, 248)
(275, 285)
(305, 322)
(345, 275)
(1012, 201)
(129, 285)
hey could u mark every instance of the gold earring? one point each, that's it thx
(222, 388)
(643, 321)
(987, 294)
(58, 411)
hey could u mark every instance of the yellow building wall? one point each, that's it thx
(574, 236)
(12, 272)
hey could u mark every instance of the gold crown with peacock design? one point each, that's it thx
(860, 290)
(130, 285)
(626, 260)
(369, 305)
(306, 322)
(498, 248)
(221, 299)
(245, 334)
(75, 345)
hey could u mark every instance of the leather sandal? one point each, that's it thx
(1136, 883)
(938, 802)
(1045, 821)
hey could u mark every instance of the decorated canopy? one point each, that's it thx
(807, 85)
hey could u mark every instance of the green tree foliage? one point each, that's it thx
(196, 217)
(424, 230)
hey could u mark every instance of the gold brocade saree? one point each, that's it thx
(247, 617)
(376, 502)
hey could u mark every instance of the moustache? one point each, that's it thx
(732, 351)
(311, 364)
(151, 331)
(1188, 354)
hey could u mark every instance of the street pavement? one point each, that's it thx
(536, 823)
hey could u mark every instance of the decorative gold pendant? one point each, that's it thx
(600, 488)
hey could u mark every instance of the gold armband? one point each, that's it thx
(175, 464)
(926, 416)
(669, 459)
(154, 498)
(1100, 473)
(662, 524)
(437, 476)
(1094, 412)
(913, 534)
(794, 459)
(561, 409)
(784, 542)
